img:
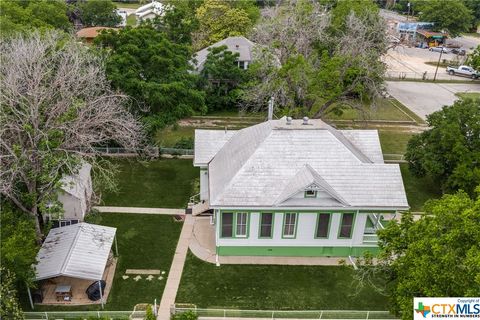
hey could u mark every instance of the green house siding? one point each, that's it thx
(295, 251)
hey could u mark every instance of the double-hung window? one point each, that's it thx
(346, 225)
(323, 222)
(234, 224)
(227, 225)
(241, 230)
(266, 225)
(289, 224)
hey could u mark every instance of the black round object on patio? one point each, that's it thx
(93, 290)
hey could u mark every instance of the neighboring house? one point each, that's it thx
(75, 195)
(150, 11)
(123, 14)
(296, 188)
(89, 34)
(240, 45)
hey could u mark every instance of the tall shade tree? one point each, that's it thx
(451, 16)
(155, 71)
(99, 13)
(219, 19)
(449, 152)
(56, 107)
(474, 58)
(9, 306)
(16, 16)
(222, 78)
(435, 256)
(315, 68)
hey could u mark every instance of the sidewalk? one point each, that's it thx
(167, 211)
(176, 269)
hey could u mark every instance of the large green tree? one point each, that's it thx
(17, 241)
(312, 64)
(143, 63)
(437, 255)
(452, 16)
(474, 58)
(99, 13)
(16, 16)
(220, 19)
(9, 306)
(222, 79)
(449, 152)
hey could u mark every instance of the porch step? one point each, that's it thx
(199, 208)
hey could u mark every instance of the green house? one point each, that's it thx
(296, 188)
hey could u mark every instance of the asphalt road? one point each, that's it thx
(424, 98)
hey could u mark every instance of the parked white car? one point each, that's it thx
(465, 71)
(439, 49)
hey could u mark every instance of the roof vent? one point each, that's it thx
(289, 120)
(305, 120)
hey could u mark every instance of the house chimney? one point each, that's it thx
(305, 120)
(270, 108)
(289, 120)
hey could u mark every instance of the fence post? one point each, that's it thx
(46, 315)
(224, 313)
(321, 314)
(273, 314)
(368, 314)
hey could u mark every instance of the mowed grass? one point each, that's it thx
(385, 109)
(144, 242)
(418, 190)
(165, 183)
(128, 5)
(394, 141)
(468, 95)
(274, 287)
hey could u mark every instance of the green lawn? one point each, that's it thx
(274, 287)
(471, 95)
(169, 136)
(144, 242)
(128, 5)
(418, 190)
(386, 109)
(132, 20)
(166, 183)
(393, 141)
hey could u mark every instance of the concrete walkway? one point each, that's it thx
(167, 211)
(176, 269)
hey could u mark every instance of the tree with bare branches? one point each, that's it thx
(56, 108)
(312, 66)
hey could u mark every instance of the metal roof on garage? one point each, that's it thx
(78, 251)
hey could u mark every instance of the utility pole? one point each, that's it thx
(408, 12)
(438, 63)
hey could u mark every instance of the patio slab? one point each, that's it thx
(78, 286)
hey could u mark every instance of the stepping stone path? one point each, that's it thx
(125, 277)
(160, 278)
(143, 271)
(137, 278)
(149, 278)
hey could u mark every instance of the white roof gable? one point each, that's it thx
(240, 45)
(79, 251)
(257, 166)
(76, 184)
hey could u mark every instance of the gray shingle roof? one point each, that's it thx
(234, 44)
(256, 166)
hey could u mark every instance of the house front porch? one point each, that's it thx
(202, 245)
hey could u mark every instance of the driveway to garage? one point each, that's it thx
(424, 98)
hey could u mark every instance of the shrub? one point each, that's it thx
(189, 315)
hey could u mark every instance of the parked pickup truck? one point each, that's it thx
(465, 71)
